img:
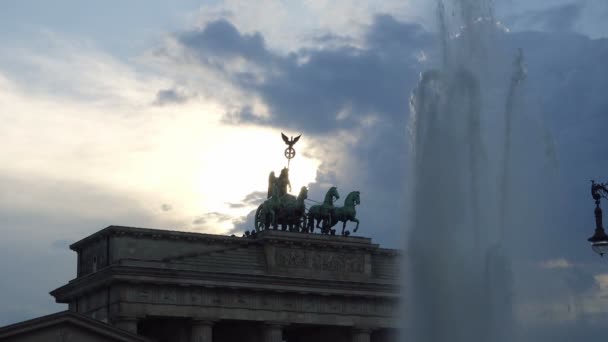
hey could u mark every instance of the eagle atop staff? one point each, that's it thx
(292, 141)
(290, 152)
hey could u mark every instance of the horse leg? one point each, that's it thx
(325, 228)
(357, 227)
(344, 227)
(327, 223)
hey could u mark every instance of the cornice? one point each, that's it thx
(272, 283)
(273, 237)
(157, 234)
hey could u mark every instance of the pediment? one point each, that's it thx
(66, 326)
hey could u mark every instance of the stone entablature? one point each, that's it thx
(293, 278)
(285, 252)
(232, 304)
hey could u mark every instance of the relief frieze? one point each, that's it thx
(334, 262)
(297, 258)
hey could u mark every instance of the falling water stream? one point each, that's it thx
(458, 273)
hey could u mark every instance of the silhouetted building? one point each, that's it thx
(181, 286)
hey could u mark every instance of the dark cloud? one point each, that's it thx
(329, 38)
(334, 90)
(212, 216)
(165, 207)
(244, 114)
(169, 96)
(252, 199)
(244, 223)
(560, 18)
(319, 90)
(387, 35)
(220, 39)
(255, 198)
(199, 220)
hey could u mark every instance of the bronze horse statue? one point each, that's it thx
(347, 212)
(322, 212)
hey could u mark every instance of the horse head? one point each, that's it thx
(330, 195)
(353, 199)
(303, 193)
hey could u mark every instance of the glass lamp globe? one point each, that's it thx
(600, 247)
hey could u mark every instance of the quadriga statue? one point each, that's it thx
(282, 208)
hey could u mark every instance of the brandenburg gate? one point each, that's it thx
(267, 287)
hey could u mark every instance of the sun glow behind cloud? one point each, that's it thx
(181, 154)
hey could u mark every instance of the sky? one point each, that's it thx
(167, 114)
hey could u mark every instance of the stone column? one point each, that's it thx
(361, 335)
(202, 331)
(272, 332)
(126, 323)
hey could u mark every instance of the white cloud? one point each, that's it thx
(556, 263)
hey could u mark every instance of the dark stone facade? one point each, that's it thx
(279, 286)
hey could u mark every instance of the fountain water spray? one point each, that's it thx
(458, 273)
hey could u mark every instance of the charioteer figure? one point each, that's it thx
(283, 182)
(280, 184)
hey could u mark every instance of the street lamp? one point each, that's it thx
(599, 240)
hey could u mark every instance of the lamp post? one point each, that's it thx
(599, 240)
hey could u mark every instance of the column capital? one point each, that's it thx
(361, 334)
(272, 331)
(201, 329)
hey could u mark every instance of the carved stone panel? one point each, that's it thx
(297, 258)
(313, 262)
